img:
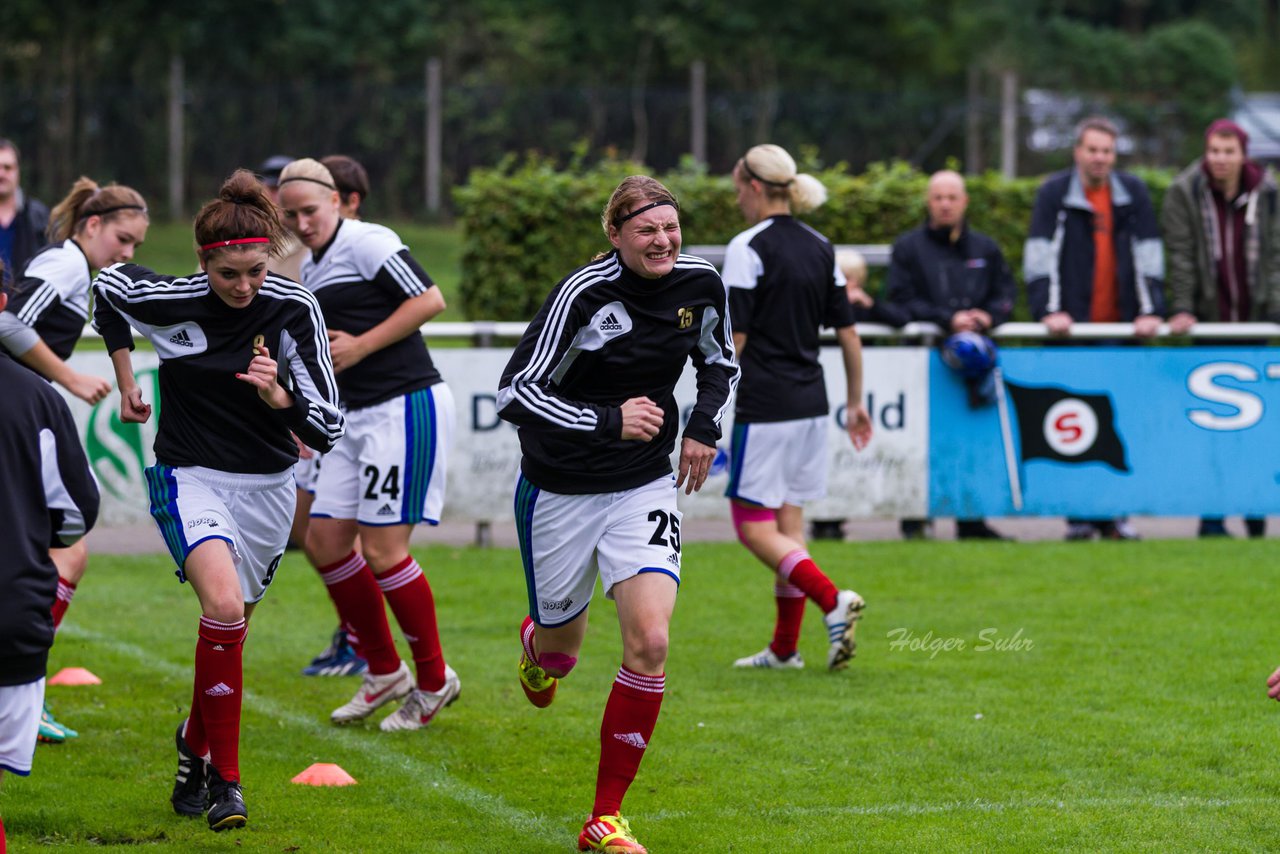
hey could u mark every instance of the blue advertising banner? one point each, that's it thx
(1097, 432)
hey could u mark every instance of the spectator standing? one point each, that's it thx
(946, 273)
(1094, 255)
(1223, 252)
(23, 221)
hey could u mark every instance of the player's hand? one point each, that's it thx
(304, 452)
(1181, 323)
(858, 423)
(345, 349)
(88, 388)
(132, 409)
(695, 464)
(1146, 326)
(262, 375)
(1058, 323)
(1273, 685)
(641, 419)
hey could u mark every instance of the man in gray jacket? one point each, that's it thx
(1222, 247)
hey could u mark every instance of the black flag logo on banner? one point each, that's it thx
(1056, 423)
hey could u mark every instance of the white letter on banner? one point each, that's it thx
(1248, 405)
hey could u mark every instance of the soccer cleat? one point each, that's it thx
(538, 686)
(609, 833)
(769, 660)
(841, 622)
(190, 793)
(226, 803)
(374, 693)
(340, 659)
(52, 732)
(420, 707)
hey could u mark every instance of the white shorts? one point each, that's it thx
(251, 512)
(566, 540)
(389, 469)
(779, 462)
(20, 707)
(307, 472)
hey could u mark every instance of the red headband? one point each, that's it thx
(218, 244)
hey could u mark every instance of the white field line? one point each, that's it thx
(424, 775)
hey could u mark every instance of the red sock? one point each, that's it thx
(629, 719)
(194, 734)
(786, 632)
(354, 592)
(219, 686)
(409, 596)
(798, 569)
(63, 601)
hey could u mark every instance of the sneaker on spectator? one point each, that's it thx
(1120, 529)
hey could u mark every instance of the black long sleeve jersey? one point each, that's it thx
(603, 336)
(208, 417)
(783, 286)
(360, 278)
(49, 500)
(52, 297)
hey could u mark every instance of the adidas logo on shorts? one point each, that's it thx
(674, 560)
(223, 690)
(182, 339)
(610, 323)
(634, 739)
(385, 510)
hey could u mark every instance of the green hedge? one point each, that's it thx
(527, 224)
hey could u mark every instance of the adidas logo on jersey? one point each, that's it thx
(222, 689)
(634, 739)
(182, 339)
(385, 510)
(610, 323)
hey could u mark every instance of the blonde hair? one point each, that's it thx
(308, 170)
(775, 169)
(634, 191)
(87, 199)
(853, 265)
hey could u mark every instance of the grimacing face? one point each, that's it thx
(650, 243)
(236, 273)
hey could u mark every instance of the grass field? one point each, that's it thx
(1126, 711)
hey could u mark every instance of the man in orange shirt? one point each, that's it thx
(1094, 255)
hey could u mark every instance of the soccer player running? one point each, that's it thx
(93, 227)
(243, 362)
(389, 473)
(590, 387)
(783, 284)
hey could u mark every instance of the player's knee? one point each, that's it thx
(557, 664)
(649, 647)
(224, 609)
(742, 514)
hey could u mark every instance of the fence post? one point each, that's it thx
(973, 122)
(435, 109)
(177, 143)
(1009, 124)
(698, 110)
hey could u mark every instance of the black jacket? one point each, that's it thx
(932, 277)
(28, 235)
(49, 500)
(1058, 258)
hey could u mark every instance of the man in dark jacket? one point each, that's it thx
(49, 500)
(1094, 252)
(1223, 247)
(1094, 255)
(22, 220)
(946, 273)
